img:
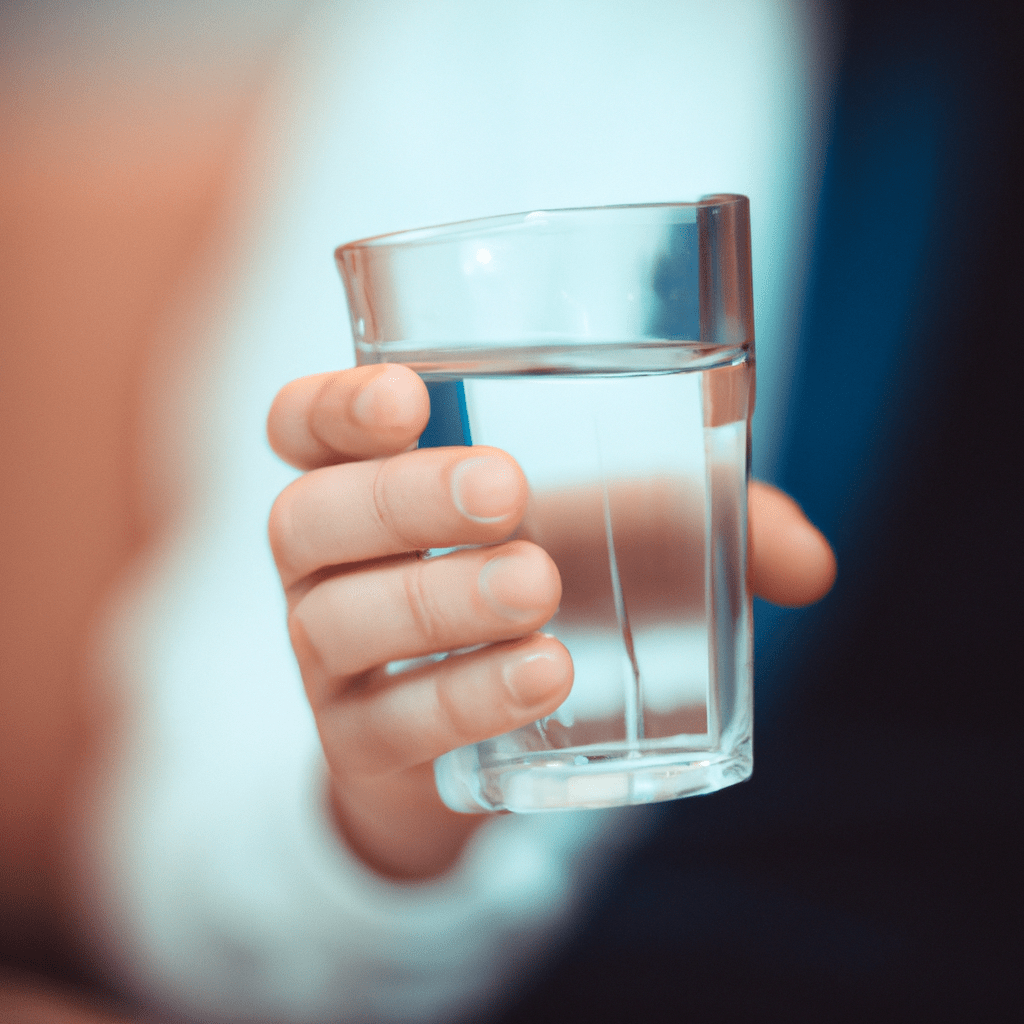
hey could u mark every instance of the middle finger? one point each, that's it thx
(360, 511)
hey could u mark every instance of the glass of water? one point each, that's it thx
(610, 351)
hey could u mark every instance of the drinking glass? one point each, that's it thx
(610, 351)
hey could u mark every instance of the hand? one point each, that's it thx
(347, 538)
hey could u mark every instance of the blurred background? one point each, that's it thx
(866, 870)
(869, 869)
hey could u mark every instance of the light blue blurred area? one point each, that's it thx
(382, 117)
(398, 115)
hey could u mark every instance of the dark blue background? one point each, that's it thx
(869, 871)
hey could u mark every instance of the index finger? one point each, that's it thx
(366, 412)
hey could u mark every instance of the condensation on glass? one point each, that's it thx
(611, 352)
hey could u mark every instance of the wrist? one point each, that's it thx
(399, 827)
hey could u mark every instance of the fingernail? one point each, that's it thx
(379, 403)
(532, 678)
(484, 488)
(511, 589)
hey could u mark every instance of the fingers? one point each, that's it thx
(791, 563)
(353, 414)
(388, 728)
(353, 622)
(435, 498)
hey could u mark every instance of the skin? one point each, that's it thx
(346, 537)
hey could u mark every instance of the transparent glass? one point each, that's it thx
(611, 352)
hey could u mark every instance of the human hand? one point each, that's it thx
(347, 538)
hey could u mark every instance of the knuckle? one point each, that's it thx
(323, 411)
(288, 430)
(458, 721)
(307, 654)
(427, 615)
(281, 414)
(275, 427)
(288, 529)
(383, 506)
(379, 499)
(281, 527)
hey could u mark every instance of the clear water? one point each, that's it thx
(638, 492)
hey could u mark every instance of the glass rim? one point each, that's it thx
(539, 218)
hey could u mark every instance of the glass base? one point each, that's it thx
(587, 778)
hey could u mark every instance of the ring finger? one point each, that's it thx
(358, 620)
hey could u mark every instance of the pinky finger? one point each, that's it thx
(398, 722)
